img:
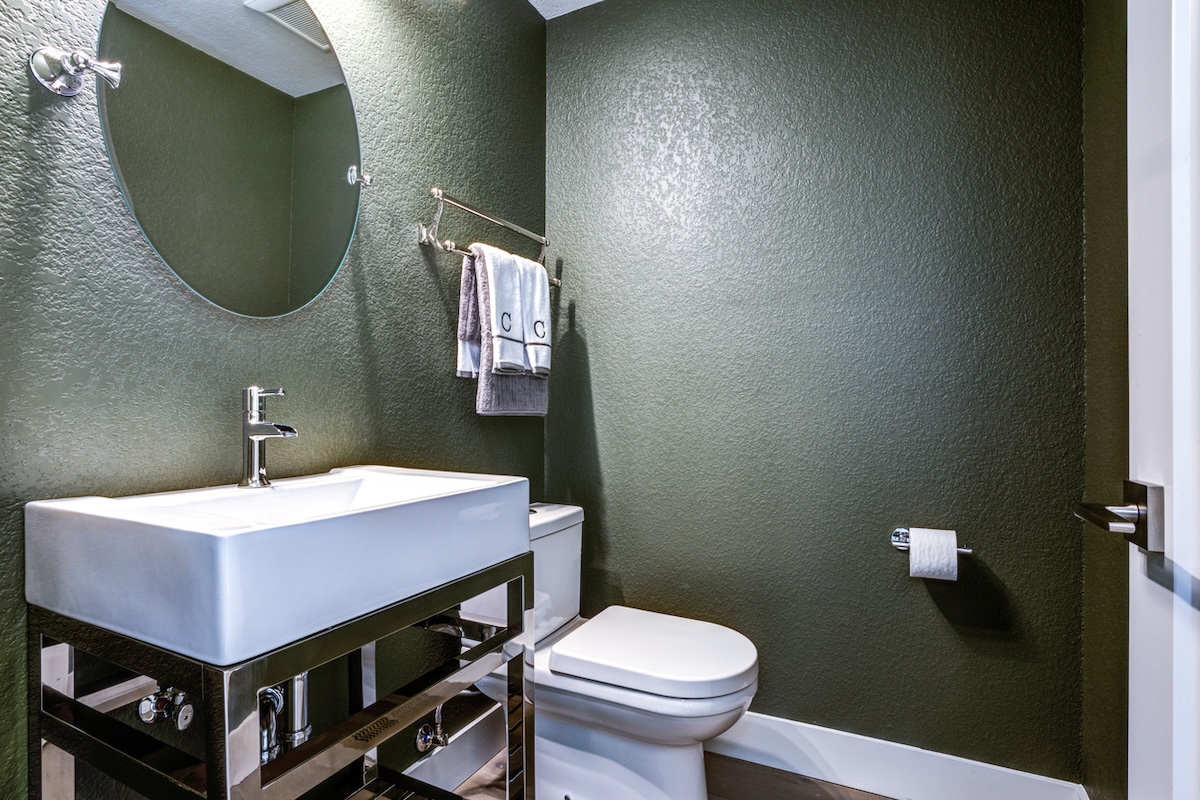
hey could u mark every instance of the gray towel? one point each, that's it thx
(468, 322)
(502, 395)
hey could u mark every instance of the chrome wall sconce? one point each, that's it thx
(62, 72)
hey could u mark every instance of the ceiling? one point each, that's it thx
(556, 8)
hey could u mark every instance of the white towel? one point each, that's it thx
(535, 306)
(504, 299)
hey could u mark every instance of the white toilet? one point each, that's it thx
(623, 701)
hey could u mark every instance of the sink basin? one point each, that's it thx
(226, 573)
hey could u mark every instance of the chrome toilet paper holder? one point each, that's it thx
(900, 542)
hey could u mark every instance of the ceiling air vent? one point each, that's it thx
(296, 16)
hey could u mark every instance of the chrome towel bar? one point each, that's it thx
(428, 234)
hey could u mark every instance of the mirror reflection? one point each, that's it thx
(230, 136)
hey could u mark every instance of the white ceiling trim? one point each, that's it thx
(549, 9)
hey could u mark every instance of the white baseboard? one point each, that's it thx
(872, 765)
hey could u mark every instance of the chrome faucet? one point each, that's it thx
(255, 432)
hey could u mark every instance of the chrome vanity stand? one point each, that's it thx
(226, 705)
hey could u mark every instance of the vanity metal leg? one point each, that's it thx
(520, 710)
(363, 694)
(34, 743)
(58, 773)
(58, 766)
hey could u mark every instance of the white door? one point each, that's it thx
(1164, 396)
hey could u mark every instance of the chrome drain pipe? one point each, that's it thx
(270, 703)
(296, 728)
(283, 717)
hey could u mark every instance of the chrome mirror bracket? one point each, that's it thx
(62, 72)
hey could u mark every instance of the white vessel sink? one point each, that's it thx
(226, 573)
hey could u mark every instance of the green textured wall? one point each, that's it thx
(823, 276)
(1105, 760)
(115, 378)
(221, 217)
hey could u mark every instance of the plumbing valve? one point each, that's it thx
(430, 736)
(167, 704)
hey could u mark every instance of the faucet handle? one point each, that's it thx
(254, 399)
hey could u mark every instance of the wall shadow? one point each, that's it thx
(573, 472)
(977, 604)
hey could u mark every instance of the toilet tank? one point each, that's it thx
(556, 538)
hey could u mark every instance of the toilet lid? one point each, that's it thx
(657, 654)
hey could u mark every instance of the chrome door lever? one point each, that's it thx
(1139, 520)
(1117, 519)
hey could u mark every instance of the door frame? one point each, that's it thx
(1164, 594)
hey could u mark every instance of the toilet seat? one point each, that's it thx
(553, 690)
(657, 653)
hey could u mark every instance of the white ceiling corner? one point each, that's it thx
(549, 9)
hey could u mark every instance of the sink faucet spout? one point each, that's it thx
(255, 432)
(268, 430)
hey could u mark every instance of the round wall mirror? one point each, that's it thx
(231, 136)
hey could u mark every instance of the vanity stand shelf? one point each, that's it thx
(226, 705)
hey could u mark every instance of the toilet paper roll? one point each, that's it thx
(933, 553)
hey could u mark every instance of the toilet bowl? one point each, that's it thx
(622, 701)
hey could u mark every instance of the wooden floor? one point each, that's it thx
(728, 779)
